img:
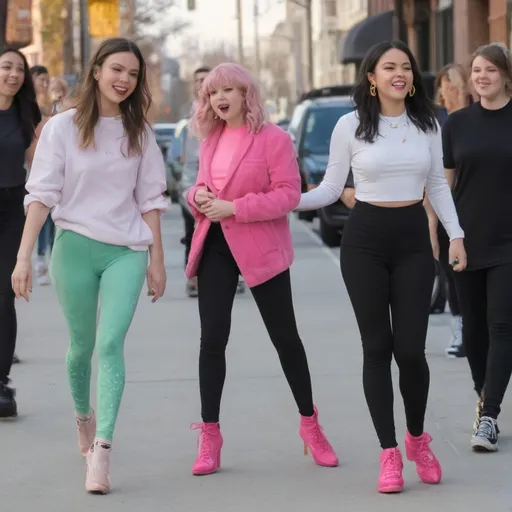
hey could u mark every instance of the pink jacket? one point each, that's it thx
(264, 183)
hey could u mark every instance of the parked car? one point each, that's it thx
(164, 134)
(311, 126)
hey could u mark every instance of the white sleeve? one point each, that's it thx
(438, 190)
(338, 167)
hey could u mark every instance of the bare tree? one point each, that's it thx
(277, 64)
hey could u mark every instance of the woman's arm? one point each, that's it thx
(284, 194)
(36, 216)
(432, 226)
(336, 173)
(438, 191)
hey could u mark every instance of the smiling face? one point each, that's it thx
(228, 103)
(487, 79)
(393, 76)
(12, 74)
(117, 79)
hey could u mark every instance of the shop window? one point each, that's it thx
(444, 36)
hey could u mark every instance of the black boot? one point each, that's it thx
(8, 407)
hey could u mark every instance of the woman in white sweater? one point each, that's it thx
(392, 143)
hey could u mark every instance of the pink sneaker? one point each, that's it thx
(391, 465)
(97, 478)
(86, 427)
(313, 436)
(209, 446)
(417, 450)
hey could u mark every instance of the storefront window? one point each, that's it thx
(444, 33)
(509, 24)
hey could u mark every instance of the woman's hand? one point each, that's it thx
(156, 279)
(203, 196)
(21, 279)
(457, 255)
(217, 209)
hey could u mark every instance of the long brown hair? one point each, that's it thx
(133, 109)
(500, 57)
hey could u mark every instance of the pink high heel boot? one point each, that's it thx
(209, 446)
(417, 450)
(97, 478)
(314, 438)
(86, 427)
(391, 466)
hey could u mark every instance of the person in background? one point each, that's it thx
(248, 183)
(41, 79)
(58, 95)
(99, 169)
(453, 94)
(478, 163)
(392, 144)
(19, 119)
(190, 168)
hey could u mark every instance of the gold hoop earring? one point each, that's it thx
(412, 92)
(373, 90)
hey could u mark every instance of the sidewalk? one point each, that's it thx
(263, 463)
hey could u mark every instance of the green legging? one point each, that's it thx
(83, 270)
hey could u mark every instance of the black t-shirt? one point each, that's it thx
(12, 149)
(477, 144)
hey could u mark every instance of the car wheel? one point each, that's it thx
(330, 236)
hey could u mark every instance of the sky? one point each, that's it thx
(215, 21)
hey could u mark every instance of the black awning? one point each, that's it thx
(364, 35)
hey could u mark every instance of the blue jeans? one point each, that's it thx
(46, 237)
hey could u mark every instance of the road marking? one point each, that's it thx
(317, 241)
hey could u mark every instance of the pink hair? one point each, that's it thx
(204, 120)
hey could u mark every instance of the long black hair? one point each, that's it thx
(420, 108)
(25, 101)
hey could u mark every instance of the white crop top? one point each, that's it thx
(401, 163)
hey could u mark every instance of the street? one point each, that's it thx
(263, 463)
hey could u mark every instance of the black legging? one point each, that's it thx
(387, 263)
(217, 283)
(12, 220)
(447, 270)
(189, 222)
(486, 303)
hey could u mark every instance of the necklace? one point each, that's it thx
(397, 123)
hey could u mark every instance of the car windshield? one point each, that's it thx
(164, 133)
(320, 123)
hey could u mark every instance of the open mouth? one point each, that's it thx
(399, 84)
(224, 107)
(121, 91)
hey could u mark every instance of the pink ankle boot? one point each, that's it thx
(86, 427)
(97, 478)
(314, 438)
(391, 465)
(209, 446)
(417, 450)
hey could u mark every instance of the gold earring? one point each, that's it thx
(373, 90)
(412, 92)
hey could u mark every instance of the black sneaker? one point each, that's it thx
(8, 407)
(486, 437)
(456, 350)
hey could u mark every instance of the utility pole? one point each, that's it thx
(257, 56)
(240, 32)
(85, 40)
(307, 6)
(68, 50)
(3, 24)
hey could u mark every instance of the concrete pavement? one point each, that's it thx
(263, 463)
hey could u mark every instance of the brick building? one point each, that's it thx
(444, 31)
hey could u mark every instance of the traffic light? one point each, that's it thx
(191, 5)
